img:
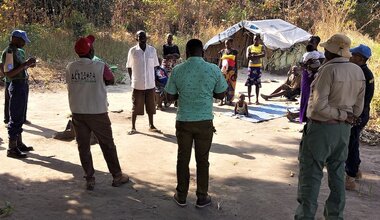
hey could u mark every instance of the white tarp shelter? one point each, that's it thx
(276, 34)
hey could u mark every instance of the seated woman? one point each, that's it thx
(291, 88)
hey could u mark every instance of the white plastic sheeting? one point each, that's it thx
(275, 33)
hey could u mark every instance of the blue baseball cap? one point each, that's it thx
(21, 34)
(363, 50)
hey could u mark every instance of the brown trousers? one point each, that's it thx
(201, 133)
(100, 124)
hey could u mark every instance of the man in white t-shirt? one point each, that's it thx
(86, 84)
(142, 59)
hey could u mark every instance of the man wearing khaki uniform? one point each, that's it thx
(336, 100)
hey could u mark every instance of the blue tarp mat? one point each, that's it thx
(263, 112)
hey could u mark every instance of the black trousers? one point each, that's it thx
(200, 133)
(100, 124)
(353, 160)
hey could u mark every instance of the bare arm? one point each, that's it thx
(1, 70)
(27, 64)
(219, 95)
(130, 72)
(246, 109)
(172, 98)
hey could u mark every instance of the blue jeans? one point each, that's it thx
(353, 159)
(18, 91)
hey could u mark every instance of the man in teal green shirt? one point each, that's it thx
(194, 83)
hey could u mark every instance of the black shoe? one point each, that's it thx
(203, 202)
(16, 153)
(90, 183)
(23, 147)
(179, 202)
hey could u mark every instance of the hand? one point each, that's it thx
(31, 62)
(351, 119)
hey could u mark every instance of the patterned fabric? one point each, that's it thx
(161, 79)
(254, 77)
(229, 71)
(195, 81)
(231, 77)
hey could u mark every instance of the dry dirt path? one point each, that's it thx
(250, 167)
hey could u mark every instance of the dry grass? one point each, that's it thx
(334, 20)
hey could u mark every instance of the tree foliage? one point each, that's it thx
(183, 16)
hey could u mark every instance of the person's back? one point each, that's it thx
(196, 80)
(194, 83)
(346, 80)
(336, 100)
(87, 90)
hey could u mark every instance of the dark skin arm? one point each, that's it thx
(1, 70)
(109, 82)
(29, 63)
(220, 59)
(246, 109)
(219, 95)
(172, 98)
(236, 105)
(130, 72)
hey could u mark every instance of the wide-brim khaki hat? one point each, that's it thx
(338, 44)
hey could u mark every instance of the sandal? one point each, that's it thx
(131, 132)
(155, 130)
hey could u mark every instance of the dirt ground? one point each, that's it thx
(251, 167)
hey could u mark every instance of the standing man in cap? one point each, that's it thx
(86, 84)
(336, 100)
(360, 55)
(141, 63)
(194, 83)
(15, 69)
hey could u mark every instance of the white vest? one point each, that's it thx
(86, 87)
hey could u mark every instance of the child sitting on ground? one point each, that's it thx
(161, 78)
(241, 106)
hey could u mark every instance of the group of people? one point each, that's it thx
(228, 63)
(338, 95)
(335, 102)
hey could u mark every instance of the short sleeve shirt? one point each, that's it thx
(18, 59)
(142, 64)
(256, 62)
(195, 81)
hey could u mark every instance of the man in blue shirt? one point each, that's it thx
(194, 83)
(360, 55)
